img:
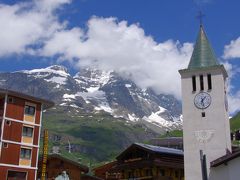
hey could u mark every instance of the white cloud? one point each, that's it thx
(112, 45)
(233, 98)
(34, 28)
(232, 50)
(234, 102)
(27, 24)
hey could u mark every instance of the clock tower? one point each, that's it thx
(205, 114)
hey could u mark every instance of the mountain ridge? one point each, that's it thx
(97, 90)
(99, 112)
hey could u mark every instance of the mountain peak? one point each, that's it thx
(58, 68)
(54, 69)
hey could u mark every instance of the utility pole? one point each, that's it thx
(45, 154)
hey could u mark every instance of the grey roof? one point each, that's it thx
(203, 55)
(159, 149)
(225, 159)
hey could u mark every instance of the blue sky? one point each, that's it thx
(138, 38)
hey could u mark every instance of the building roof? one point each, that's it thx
(225, 159)
(203, 55)
(75, 163)
(152, 149)
(159, 149)
(168, 142)
(105, 166)
(46, 103)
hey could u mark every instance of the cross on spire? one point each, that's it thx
(200, 17)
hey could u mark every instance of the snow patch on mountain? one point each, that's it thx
(105, 107)
(97, 97)
(128, 85)
(69, 97)
(132, 117)
(92, 93)
(156, 119)
(43, 72)
(93, 77)
(58, 80)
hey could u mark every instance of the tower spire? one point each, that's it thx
(203, 54)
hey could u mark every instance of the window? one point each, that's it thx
(8, 122)
(203, 114)
(209, 81)
(30, 110)
(27, 131)
(25, 153)
(161, 172)
(10, 100)
(201, 83)
(148, 172)
(176, 174)
(194, 83)
(16, 175)
(5, 145)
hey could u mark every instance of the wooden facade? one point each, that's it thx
(20, 122)
(141, 161)
(56, 164)
(104, 171)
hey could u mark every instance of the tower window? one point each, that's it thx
(194, 83)
(201, 83)
(203, 114)
(209, 78)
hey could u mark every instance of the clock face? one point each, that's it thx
(202, 100)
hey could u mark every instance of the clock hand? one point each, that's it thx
(202, 100)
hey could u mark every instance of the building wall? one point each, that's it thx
(229, 171)
(56, 166)
(4, 172)
(104, 170)
(13, 140)
(204, 133)
(153, 173)
(12, 131)
(10, 155)
(15, 110)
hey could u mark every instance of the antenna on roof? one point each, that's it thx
(200, 17)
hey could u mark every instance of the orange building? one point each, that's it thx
(20, 123)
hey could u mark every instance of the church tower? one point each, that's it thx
(205, 110)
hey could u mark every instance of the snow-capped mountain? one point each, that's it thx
(92, 90)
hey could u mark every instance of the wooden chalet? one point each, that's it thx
(56, 164)
(105, 172)
(143, 161)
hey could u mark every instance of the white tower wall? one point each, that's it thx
(210, 133)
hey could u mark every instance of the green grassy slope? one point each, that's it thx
(94, 137)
